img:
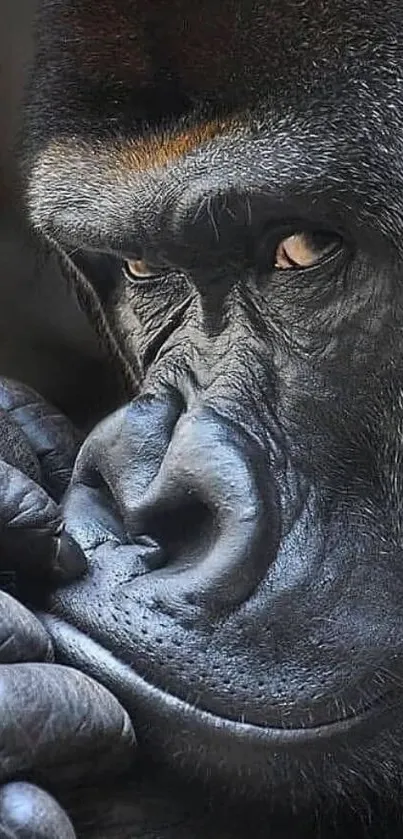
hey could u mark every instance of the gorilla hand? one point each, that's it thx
(37, 452)
(56, 723)
(57, 726)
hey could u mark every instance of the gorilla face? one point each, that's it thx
(231, 177)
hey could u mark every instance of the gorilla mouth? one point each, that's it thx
(161, 717)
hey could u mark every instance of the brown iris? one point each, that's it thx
(303, 250)
(139, 269)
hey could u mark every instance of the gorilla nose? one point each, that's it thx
(198, 487)
(211, 510)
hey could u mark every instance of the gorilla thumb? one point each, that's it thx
(32, 539)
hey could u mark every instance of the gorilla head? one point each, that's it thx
(228, 177)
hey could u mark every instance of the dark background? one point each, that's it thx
(45, 340)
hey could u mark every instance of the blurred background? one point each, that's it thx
(45, 340)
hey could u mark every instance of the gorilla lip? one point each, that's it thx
(74, 648)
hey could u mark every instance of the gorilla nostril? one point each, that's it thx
(184, 530)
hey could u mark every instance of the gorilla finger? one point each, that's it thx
(32, 538)
(16, 450)
(52, 437)
(22, 636)
(27, 812)
(56, 724)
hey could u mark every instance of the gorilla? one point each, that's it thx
(218, 572)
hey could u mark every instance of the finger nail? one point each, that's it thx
(69, 562)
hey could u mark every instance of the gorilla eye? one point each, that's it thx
(138, 269)
(303, 250)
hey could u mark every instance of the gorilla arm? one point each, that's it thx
(56, 723)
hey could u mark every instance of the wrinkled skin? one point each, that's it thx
(241, 516)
